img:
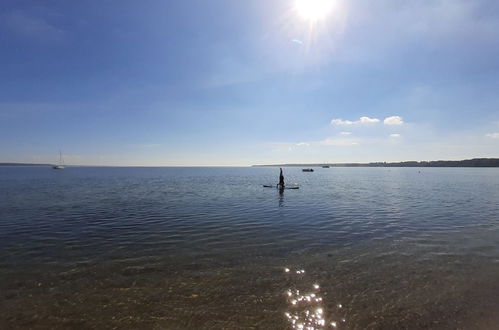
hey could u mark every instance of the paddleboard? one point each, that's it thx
(276, 187)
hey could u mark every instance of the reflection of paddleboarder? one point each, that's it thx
(281, 180)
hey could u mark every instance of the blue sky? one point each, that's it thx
(226, 82)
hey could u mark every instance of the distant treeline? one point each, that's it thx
(475, 162)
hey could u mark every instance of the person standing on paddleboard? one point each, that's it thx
(281, 179)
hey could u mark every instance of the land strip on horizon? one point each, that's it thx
(475, 162)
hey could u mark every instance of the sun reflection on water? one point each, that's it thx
(306, 310)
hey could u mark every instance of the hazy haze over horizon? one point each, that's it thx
(255, 82)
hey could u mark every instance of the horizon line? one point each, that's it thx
(257, 165)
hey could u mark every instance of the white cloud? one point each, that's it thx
(362, 121)
(345, 133)
(303, 144)
(395, 135)
(493, 135)
(367, 120)
(393, 120)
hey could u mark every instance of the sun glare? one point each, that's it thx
(313, 10)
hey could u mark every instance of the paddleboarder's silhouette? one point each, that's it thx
(281, 180)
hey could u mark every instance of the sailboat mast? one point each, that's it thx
(61, 160)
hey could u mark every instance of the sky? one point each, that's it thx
(224, 82)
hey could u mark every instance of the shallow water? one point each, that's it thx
(183, 248)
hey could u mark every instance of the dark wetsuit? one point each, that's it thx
(281, 180)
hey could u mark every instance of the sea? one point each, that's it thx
(211, 248)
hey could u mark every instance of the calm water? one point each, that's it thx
(210, 248)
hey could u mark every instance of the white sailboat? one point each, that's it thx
(59, 166)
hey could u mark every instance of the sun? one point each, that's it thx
(313, 10)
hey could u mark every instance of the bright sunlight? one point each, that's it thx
(313, 10)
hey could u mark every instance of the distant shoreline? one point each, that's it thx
(475, 162)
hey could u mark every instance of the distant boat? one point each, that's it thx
(325, 166)
(59, 166)
(308, 170)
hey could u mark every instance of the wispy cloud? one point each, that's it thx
(313, 145)
(30, 27)
(493, 135)
(362, 121)
(338, 142)
(393, 120)
(345, 133)
(395, 135)
(341, 122)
